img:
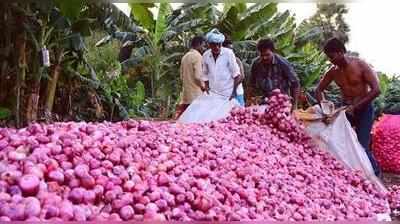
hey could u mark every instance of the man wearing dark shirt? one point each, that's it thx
(271, 71)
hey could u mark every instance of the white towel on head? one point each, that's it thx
(214, 36)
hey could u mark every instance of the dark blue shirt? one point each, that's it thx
(277, 75)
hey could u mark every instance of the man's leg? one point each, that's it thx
(365, 120)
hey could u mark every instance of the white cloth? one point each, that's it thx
(220, 73)
(207, 108)
(240, 90)
(214, 36)
(341, 141)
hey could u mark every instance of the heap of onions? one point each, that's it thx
(386, 141)
(253, 165)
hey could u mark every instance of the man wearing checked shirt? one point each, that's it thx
(271, 71)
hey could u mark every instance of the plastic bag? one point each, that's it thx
(207, 108)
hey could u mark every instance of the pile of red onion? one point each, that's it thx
(253, 165)
(386, 141)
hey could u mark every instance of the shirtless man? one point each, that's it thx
(359, 87)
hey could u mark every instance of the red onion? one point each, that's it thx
(29, 184)
(385, 142)
(256, 164)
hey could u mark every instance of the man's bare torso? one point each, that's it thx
(351, 81)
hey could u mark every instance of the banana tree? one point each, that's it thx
(18, 18)
(58, 26)
(166, 42)
(246, 26)
(310, 63)
(156, 62)
(70, 27)
(151, 56)
(389, 100)
(39, 28)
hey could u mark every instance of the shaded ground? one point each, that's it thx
(390, 179)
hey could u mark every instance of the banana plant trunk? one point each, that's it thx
(19, 91)
(95, 102)
(52, 85)
(3, 78)
(6, 51)
(33, 102)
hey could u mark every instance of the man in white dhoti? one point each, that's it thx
(221, 76)
(221, 72)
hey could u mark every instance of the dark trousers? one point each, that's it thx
(362, 120)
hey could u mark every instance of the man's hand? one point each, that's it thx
(294, 107)
(327, 119)
(323, 84)
(350, 110)
(206, 87)
(318, 95)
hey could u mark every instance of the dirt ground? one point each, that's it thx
(389, 180)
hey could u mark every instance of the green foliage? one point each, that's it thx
(132, 99)
(310, 63)
(141, 13)
(103, 59)
(156, 60)
(147, 84)
(389, 100)
(329, 18)
(70, 8)
(259, 12)
(121, 92)
(5, 113)
(161, 23)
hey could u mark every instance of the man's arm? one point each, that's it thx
(296, 93)
(198, 71)
(241, 68)
(207, 87)
(371, 79)
(323, 84)
(252, 81)
(236, 82)
(204, 76)
(294, 83)
(235, 71)
(181, 70)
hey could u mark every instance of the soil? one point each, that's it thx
(390, 179)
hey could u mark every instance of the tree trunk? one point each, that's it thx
(33, 102)
(6, 46)
(99, 112)
(52, 86)
(19, 91)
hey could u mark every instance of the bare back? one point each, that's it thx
(352, 80)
